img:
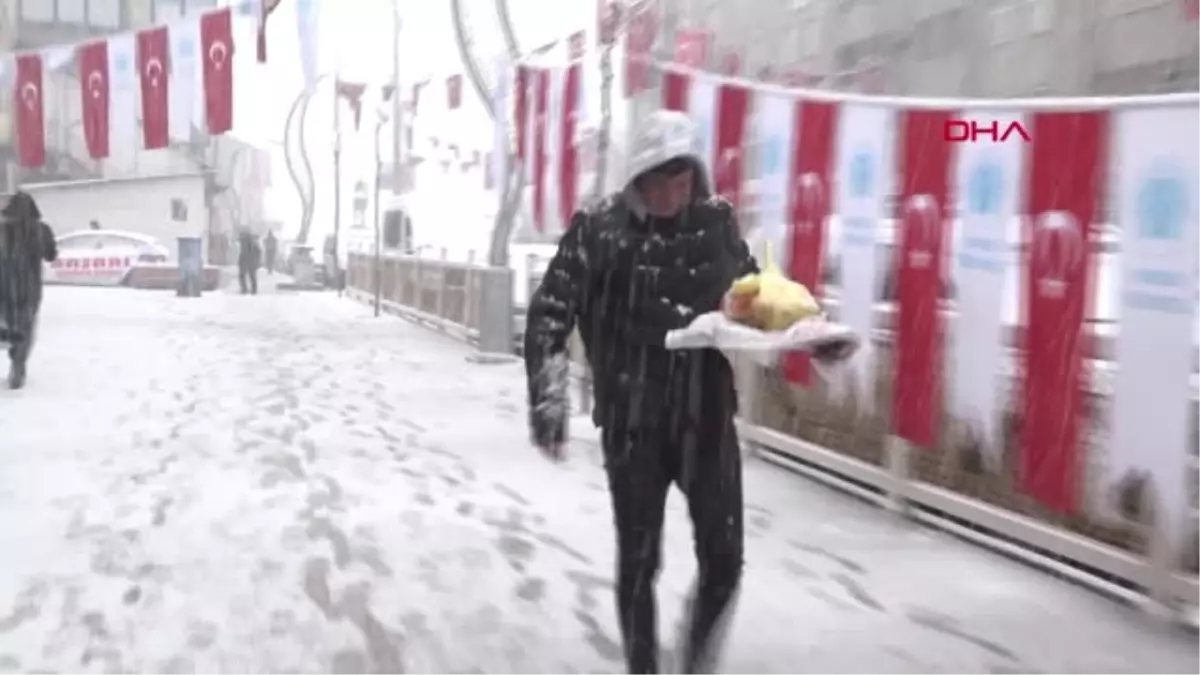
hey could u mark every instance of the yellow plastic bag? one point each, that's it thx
(768, 300)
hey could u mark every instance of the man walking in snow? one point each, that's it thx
(25, 241)
(249, 259)
(646, 261)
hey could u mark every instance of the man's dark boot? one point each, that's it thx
(16, 375)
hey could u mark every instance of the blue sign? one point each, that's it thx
(862, 174)
(985, 189)
(122, 63)
(772, 156)
(1162, 207)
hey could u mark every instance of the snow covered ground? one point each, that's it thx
(285, 483)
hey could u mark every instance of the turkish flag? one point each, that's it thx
(568, 174)
(924, 240)
(1065, 180)
(811, 171)
(733, 105)
(93, 87)
(216, 48)
(153, 50)
(30, 124)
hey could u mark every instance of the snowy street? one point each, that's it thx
(284, 483)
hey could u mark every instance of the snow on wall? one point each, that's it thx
(142, 205)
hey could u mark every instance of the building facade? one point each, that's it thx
(986, 48)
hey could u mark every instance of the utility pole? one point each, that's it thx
(398, 133)
(337, 188)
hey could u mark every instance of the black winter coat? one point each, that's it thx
(625, 281)
(25, 242)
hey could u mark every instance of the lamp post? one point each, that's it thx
(377, 280)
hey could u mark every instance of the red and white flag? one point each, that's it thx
(926, 163)
(691, 48)
(1068, 161)
(568, 164)
(639, 43)
(541, 115)
(719, 113)
(154, 76)
(216, 50)
(29, 102)
(811, 171)
(92, 61)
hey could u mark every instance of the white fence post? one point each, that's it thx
(440, 309)
(469, 300)
(896, 454)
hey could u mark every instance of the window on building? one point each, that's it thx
(167, 10)
(104, 14)
(72, 11)
(38, 11)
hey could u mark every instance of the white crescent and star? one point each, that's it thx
(925, 207)
(95, 83)
(154, 70)
(218, 53)
(29, 94)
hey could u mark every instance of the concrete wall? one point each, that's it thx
(140, 205)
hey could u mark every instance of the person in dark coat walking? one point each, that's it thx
(270, 250)
(25, 241)
(249, 260)
(643, 262)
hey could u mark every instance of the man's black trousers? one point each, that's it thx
(248, 280)
(705, 462)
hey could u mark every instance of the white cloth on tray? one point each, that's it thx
(716, 330)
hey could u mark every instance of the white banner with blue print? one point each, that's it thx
(987, 183)
(866, 136)
(1157, 161)
(773, 131)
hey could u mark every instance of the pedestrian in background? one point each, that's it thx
(25, 241)
(249, 260)
(270, 250)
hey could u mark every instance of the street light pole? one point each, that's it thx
(377, 280)
(337, 189)
(398, 135)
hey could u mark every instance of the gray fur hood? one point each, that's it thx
(663, 136)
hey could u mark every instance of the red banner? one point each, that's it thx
(216, 45)
(1067, 165)
(93, 89)
(691, 48)
(810, 177)
(154, 76)
(568, 176)
(733, 103)
(540, 129)
(925, 167)
(29, 103)
(675, 91)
